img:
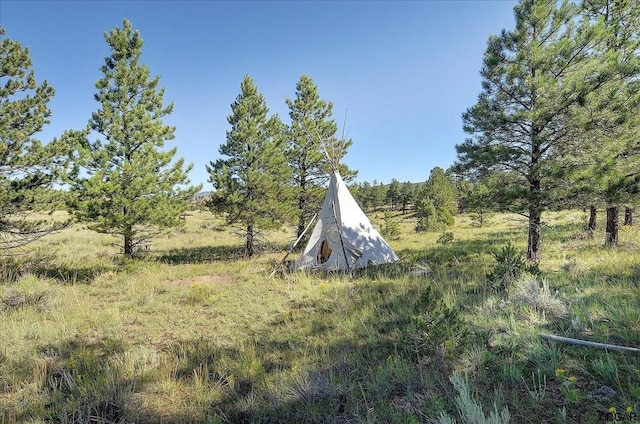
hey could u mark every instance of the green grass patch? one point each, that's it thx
(195, 332)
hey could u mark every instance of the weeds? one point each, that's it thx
(538, 388)
(469, 410)
(88, 389)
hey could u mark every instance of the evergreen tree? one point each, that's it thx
(479, 203)
(312, 128)
(366, 195)
(464, 187)
(533, 79)
(132, 185)
(251, 183)
(426, 211)
(406, 195)
(28, 168)
(390, 227)
(436, 201)
(393, 194)
(378, 194)
(356, 191)
(618, 173)
(601, 165)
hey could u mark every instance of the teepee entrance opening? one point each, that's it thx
(324, 253)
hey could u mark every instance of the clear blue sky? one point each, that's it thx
(402, 72)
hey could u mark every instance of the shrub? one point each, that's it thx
(469, 409)
(433, 325)
(445, 238)
(540, 297)
(511, 264)
(390, 227)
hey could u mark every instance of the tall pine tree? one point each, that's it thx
(600, 162)
(133, 188)
(27, 166)
(616, 168)
(312, 135)
(533, 77)
(252, 181)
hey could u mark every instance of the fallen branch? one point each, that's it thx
(588, 343)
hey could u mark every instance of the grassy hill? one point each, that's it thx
(194, 332)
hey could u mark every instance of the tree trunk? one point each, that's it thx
(535, 185)
(128, 245)
(535, 203)
(128, 238)
(593, 214)
(249, 244)
(611, 235)
(628, 216)
(302, 206)
(301, 221)
(534, 244)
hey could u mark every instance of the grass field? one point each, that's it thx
(195, 332)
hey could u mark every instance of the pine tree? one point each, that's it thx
(27, 166)
(406, 195)
(436, 201)
(601, 165)
(393, 194)
(311, 125)
(617, 167)
(251, 183)
(312, 136)
(378, 194)
(133, 187)
(533, 79)
(478, 201)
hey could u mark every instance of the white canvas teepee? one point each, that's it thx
(343, 238)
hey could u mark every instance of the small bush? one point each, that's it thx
(425, 224)
(445, 238)
(511, 264)
(199, 293)
(540, 297)
(469, 409)
(434, 325)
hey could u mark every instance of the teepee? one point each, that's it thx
(343, 237)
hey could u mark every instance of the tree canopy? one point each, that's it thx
(534, 80)
(27, 166)
(312, 125)
(132, 187)
(251, 180)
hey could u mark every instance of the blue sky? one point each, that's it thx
(401, 72)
